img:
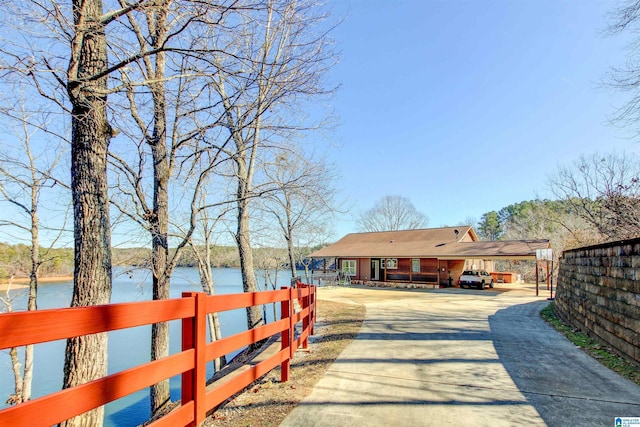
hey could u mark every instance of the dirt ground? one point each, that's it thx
(23, 282)
(267, 402)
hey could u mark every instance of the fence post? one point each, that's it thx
(293, 294)
(285, 367)
(194, 336)
(312, 304)
(305, 320)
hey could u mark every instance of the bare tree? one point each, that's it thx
(63, 52)
(274, 60)
(469, 220)
(625, 78)
(160, 92)
(604, 190)
(25, 174)
(270, 261)
(258, 62)
(203, 255)
(543, 219)
(392, 213)
(202, 252)
(155, 217)
(86, 356)
(303, 198)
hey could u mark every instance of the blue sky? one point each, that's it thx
(468, 106)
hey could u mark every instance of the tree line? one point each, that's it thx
(15, 260)
(597, 200)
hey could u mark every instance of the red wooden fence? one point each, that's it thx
(22, 328)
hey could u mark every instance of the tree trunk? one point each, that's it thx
(254, 317)
(33, 293)
(159, 218)
(86, 356)
(206, 281)
(17, 377)
(244, 161)
(289, 238)
(306, 272)
(160, 393)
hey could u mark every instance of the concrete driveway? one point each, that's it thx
(461, 357)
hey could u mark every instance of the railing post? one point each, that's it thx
(293, 294)
(312, 304)
(305, 319)
(285, 367)
(194, 336)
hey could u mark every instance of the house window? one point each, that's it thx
(349, 267)
(392, 263)
(415, 265)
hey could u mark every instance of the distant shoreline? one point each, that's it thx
(23, 282)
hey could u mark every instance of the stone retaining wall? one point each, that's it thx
(599, 293)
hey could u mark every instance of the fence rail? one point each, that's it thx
(23, 328)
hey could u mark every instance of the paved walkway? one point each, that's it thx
(461, 357)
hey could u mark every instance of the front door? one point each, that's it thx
(444, 273)
(375, 269)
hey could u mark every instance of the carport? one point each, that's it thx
(509, 250)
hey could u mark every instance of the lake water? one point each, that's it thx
(129, 347)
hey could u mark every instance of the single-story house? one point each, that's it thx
(435, 256)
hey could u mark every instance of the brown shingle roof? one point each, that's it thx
(498, 249)
(431, 242)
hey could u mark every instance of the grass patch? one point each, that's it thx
(602, 353)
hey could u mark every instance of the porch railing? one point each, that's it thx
(23, 328)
